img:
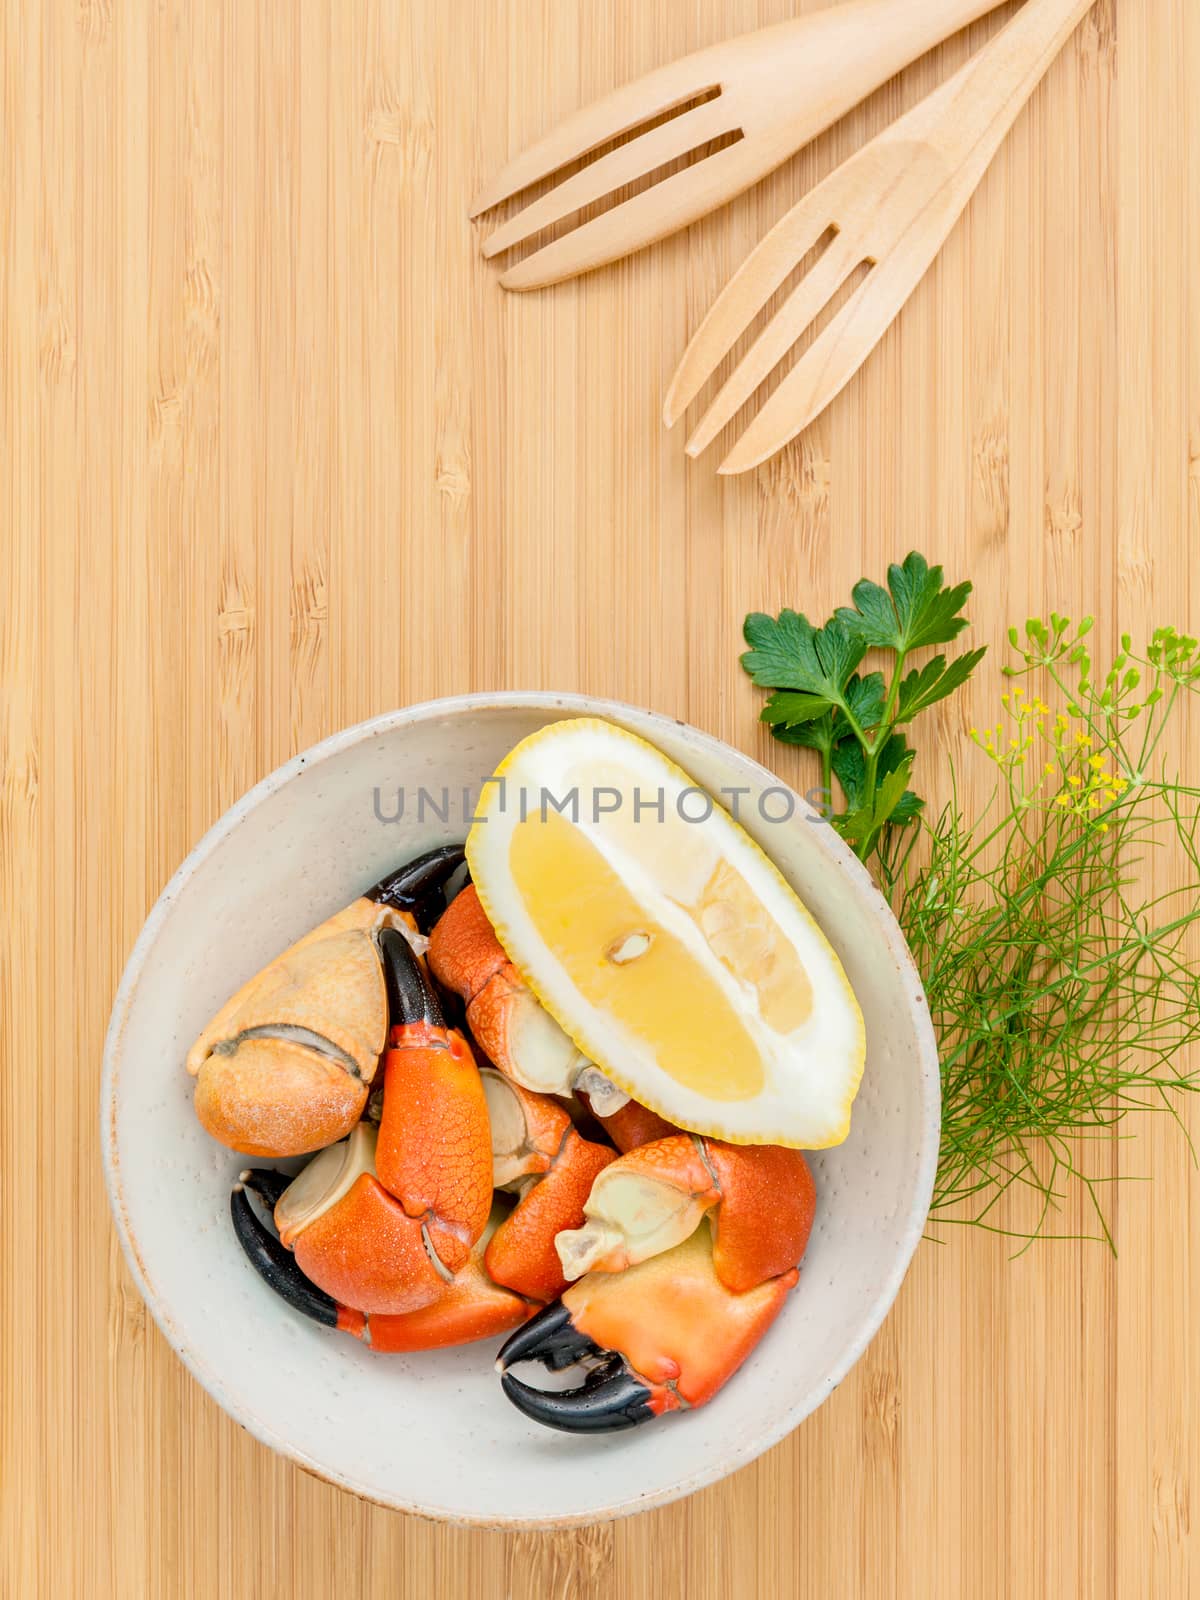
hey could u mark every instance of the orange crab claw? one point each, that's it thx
(506, 1020)
(663, 1335)
(537, 1154)
(467, 1307)
(760, 1197)
(434, 1147)
(522, 1254)
(286, 1065)
(351, 1237)
(765, 1214)
(471, 1307)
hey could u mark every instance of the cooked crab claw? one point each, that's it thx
(434, 1149)
(506, 1019)
(469, 1306)
(658, 1337)
(760, 1200)
(286, 1065)
(354, 1239)
(272, 1261)
(538, 1155)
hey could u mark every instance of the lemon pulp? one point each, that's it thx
(658, 991)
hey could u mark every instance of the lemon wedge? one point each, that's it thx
(663, 941)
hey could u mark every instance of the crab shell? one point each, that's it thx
(760, 1200)
(688, 1251)
(286, 1065)
(675, 1322)
(539, 1155)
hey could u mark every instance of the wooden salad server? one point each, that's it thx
(890, 208)
(769, 92)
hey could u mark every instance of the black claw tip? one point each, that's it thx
(273, 1263)
(609, 1399)
(265, 1182)
(550, 1338)
(410, 995)
(416, 887)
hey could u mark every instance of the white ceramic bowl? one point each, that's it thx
(432, 1433)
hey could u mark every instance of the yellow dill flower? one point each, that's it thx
(1095, 762)
(1094, 803)
(1063, 800)
(1083, 740)
(1074, 780)
(1049, 769)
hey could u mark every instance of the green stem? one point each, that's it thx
(1148, 754)
(871, 750)
(889, 709)
(1031, 997)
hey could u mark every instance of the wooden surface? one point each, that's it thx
(279, 455)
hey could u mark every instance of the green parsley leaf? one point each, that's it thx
(927, 685)
(865, 698)
(819, 734)
(917, 611)
(787, 652)
(790, 708)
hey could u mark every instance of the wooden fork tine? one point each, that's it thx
(624, 165)
(823, 371)
(658, 210)
(799, 310)
(764, 270)
(578, 135)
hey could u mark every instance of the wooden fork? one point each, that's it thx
(773, 90)
(889, 208)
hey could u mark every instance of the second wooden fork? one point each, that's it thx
(889, 208)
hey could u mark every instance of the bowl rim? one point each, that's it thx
(929, 1082)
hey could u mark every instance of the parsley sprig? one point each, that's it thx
(822, 701)
(1063, 978)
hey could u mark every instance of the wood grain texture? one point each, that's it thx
(278, 455)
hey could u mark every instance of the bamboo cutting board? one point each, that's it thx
(278, 455)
